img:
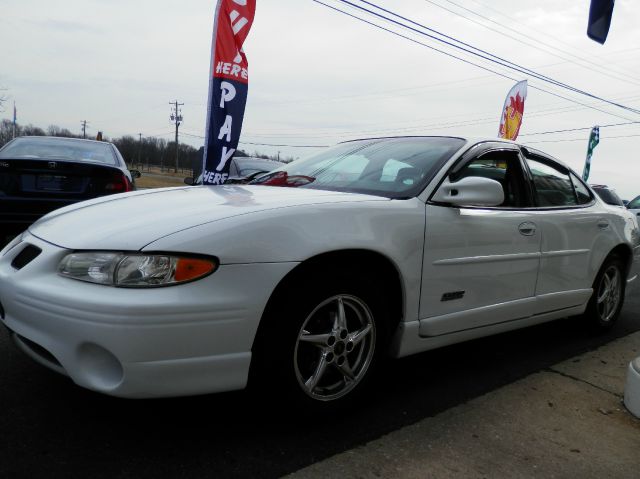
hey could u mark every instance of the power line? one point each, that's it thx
(413, 40)
(483, 54)
(266, 144)
(633, 81)
(290, 146)
(581, 139)
(192, 135)
(552, 37)
(580, 129)
(438, 123)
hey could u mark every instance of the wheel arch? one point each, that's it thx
(623, 252)
(361, 260)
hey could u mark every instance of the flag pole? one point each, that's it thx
(14, 118)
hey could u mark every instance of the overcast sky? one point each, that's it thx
(318, 77)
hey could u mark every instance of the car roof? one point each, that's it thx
(471, 141)
(65, 138)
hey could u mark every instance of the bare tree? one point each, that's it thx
(3, 98)
(31, 130)
(55, 130)
(6, 131)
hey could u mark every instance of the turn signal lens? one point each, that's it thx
(134, 270)
(188, 269)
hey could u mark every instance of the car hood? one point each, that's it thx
(130, 221)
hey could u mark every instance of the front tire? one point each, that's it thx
(321, 340)
(335, 347)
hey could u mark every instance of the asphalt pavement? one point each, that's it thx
(52, 428)
(565, 421)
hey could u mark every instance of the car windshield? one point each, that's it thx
(392, 167)
(59, 149)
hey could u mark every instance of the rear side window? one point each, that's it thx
(553, 187)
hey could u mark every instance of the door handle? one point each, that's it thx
(603, 224)
(527, 228)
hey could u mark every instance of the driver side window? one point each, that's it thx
(503, 167)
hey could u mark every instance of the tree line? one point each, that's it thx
(139, 153)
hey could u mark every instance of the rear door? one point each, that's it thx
(576, 234)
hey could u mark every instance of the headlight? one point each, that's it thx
(134, 270)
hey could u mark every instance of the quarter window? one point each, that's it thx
(553, 187)
(582, 192)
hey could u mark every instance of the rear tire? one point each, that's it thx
(321, 340)
(606, 302)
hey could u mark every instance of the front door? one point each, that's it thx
(480, 264)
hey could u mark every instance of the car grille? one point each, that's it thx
(26, 256)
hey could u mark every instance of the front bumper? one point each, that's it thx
(181, 340)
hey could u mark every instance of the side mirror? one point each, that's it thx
(470, 191)
(135, 174)
(188, 181)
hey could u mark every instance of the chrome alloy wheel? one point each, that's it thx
(609, 293)
(335, 347)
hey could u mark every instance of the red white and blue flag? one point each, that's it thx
(228, 86)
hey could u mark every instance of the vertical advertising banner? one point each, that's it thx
(513, 111)
(594, 139)
(228, 86)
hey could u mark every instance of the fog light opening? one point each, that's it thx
(100, 368)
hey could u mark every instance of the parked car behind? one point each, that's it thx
(39, 174)
(242, 170)
(608, 195)
(634, 206)
(302, 281)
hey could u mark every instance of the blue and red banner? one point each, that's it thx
(228, 86)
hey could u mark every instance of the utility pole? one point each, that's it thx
(176, 117)
(139, 148)
(14, 119)
(84, 128)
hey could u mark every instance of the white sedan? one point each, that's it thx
(304, 279)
